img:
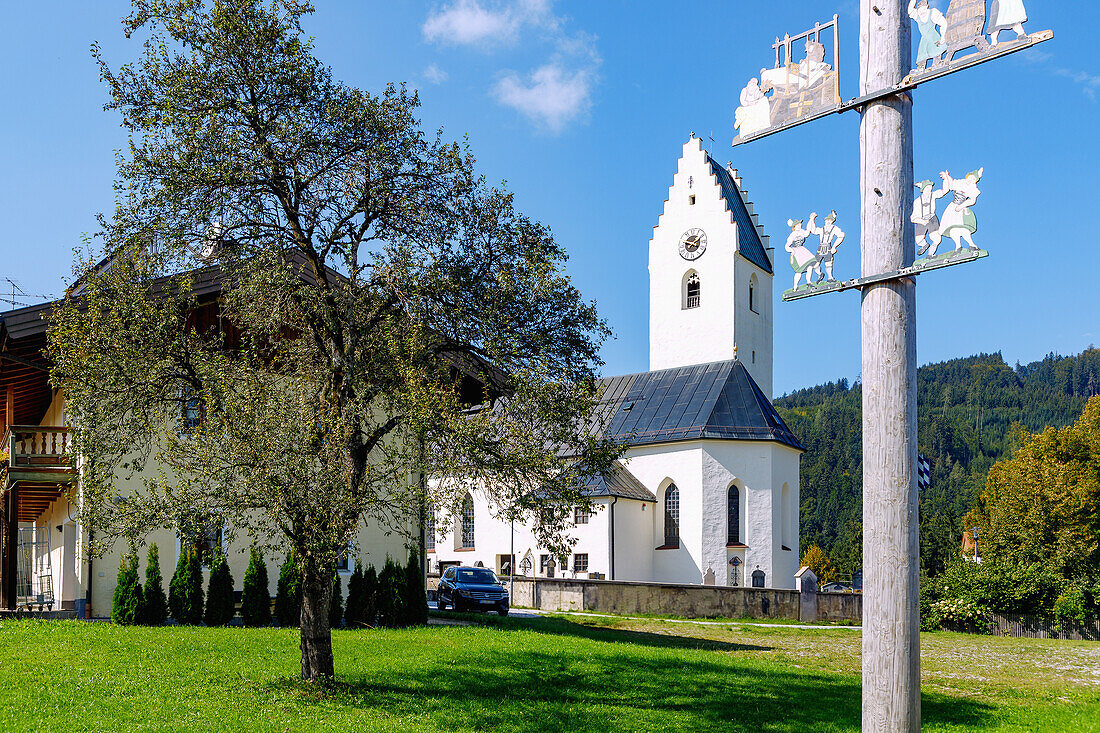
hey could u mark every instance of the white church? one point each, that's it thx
(707, 490)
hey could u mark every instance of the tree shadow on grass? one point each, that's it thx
(637, 683)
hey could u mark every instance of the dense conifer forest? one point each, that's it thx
(966, 408)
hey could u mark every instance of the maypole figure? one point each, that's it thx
(959, 222)
(754, 114)
(924, 215)
(802, 259)
(1006, 15)
(831, 237)
(930, 23)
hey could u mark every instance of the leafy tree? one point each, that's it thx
(220, 606)
(390, 595)
(255, 597)
(355, 608)
(288, 593)
(370, 288)
(128, 600)
(815, 559)
(416, 594)
(185, 588)
(154, 611)
(336, 608)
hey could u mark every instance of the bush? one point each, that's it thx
(391, 595)
(957, 614)
(219, 595)
(416, 596)
(336, 605)
(185, 589)
(128, 599)
(1078, 604)
(154, 610)
(288, 593)
(255, 598)
(1026, 589)
(356, 605)
(370, 597)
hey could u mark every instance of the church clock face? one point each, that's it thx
(693, 244)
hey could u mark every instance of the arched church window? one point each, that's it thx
(672, 516)
(467, 522)
(752, 294)
(691, 291)
(733, 516)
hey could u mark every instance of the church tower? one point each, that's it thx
(710, 273)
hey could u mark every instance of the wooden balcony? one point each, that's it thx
(39, 463)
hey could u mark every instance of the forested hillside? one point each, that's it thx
(965, 408)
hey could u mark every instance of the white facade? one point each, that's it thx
(764, 472)
(679, 335)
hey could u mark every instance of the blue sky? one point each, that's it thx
(582, 108)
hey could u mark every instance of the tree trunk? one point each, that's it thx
(317, 665)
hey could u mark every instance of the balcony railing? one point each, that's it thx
(38, 446)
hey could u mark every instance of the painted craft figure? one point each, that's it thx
(959, 222)
(831, 237)
(802, 259)
(1006, 15)
(930, 23)
(754, 114)
(925, 217)
(965, 21)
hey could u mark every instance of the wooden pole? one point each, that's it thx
(891, 621)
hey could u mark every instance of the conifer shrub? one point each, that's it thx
(416, 595)
(370, 597)
(336, 606)
(154, 610)
(355, 608)
(127, 602)
(185, 588)
(288, 593)
(219, 595)
(255, 598)
(391, 595)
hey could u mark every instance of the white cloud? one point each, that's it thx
(435, 75)
(1089, 83)
(485, 24)
(551, 96)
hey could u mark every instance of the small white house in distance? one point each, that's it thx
(708, 486)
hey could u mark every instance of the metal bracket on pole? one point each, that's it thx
(932, 263)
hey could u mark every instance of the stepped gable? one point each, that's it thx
(718, 401)
(748, 236)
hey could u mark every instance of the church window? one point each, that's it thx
(580, 516)
(580, 562)
(691, 291)
(752, 294)
(429, 529)
(467, 522)
(544, 560)
(672, 516)
(733, 516)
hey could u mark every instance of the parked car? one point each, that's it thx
(471, 589)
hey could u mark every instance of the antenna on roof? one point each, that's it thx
(16, 299)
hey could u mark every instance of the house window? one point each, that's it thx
(467, 522)
(672, 516)
(692, 293)
(543, 562)
(758, 578)
(580, 516)
(691, 199)
(209, 542)
(192, 410)
(580, 562)
(343, 562)
(429, 529)
(733, 516)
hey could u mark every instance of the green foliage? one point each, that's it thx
(288, 593)
(391, 595)
(356, 605)
(816, 560)
(220, 607)
(255, 598)
(127, 601)
(154, 610)
(966, 410)
(1078, 604)
(370, 596)
(416, 595)
(336, 605)
(999, 587)
(185, 588)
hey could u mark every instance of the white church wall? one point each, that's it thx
(634, 539)
(753, 326)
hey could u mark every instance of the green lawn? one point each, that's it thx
(551, 674)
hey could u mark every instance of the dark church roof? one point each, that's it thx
(620, 483)
(748, 238)
(718, 400)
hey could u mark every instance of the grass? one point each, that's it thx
(546, 674)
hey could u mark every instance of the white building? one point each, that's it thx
(709, 481)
